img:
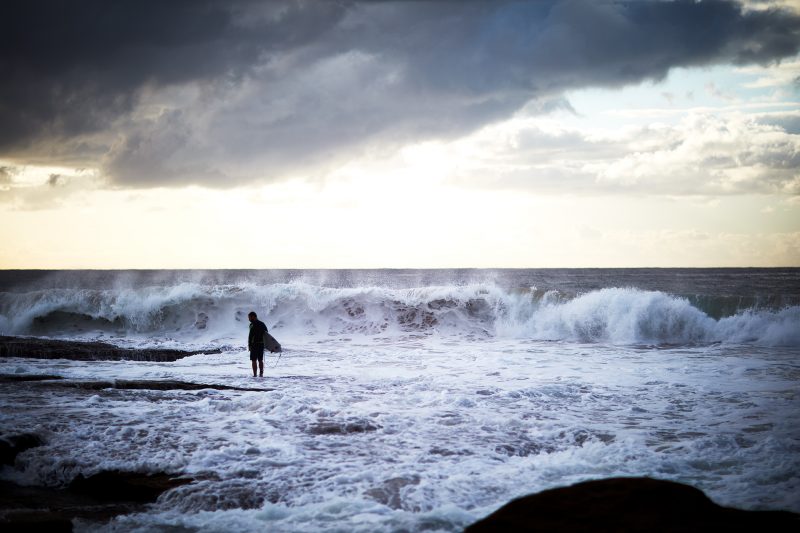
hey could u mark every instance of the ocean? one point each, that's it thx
(412, 400)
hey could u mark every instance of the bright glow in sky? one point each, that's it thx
(700, 168)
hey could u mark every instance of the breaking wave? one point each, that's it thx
(200, 313)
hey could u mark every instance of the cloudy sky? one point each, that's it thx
(427, 133)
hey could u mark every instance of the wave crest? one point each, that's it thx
(195, 313)
(623, 316)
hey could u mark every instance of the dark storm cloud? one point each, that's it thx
(70, 67)
(298, 83)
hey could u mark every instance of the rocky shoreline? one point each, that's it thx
(53, 381)
(606, 505)
(37, 348)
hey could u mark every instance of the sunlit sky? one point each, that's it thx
(425, 134)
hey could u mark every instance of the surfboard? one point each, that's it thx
(271, 344)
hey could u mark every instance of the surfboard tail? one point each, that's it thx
(271, 344)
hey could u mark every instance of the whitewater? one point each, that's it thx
(412, 400)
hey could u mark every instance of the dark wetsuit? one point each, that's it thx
(256, 340)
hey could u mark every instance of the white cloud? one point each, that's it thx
(771, 4)
(35, 187)
(785, 73)
(705, 153)
(710, 154)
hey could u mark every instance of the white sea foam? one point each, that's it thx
(408, 408)
(418, 433)
(195, 313)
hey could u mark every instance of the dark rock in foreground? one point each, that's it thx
(97, 498)
(36, 348)
(13, 445)
(116, 486)
(629, 504)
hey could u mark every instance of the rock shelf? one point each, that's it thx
(36, 348)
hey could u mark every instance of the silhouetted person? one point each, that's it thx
(255, 343)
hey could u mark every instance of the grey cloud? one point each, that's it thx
(552, 45)
(71, 67)
(162, 149)
(790, 123)
(298, 84)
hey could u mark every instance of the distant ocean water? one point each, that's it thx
(471, 387)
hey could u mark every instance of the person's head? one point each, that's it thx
(252, 316)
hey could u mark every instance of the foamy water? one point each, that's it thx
(401, 407)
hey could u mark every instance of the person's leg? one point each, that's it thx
(261, 366)
(255, 366)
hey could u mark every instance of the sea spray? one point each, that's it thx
(196, 312)
(199, 307)
(622, 316)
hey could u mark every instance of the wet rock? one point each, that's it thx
(389, 493)
(96, 498)
(579, 437)
(629, 504)
(48, 381)
(159, 385)
(35, 348)
(519, 449)
(114, 485)
(13, 445)
(16, 378)
(445, 452)
(343, 428)
(221, 495)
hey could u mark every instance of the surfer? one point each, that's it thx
(255, 343)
